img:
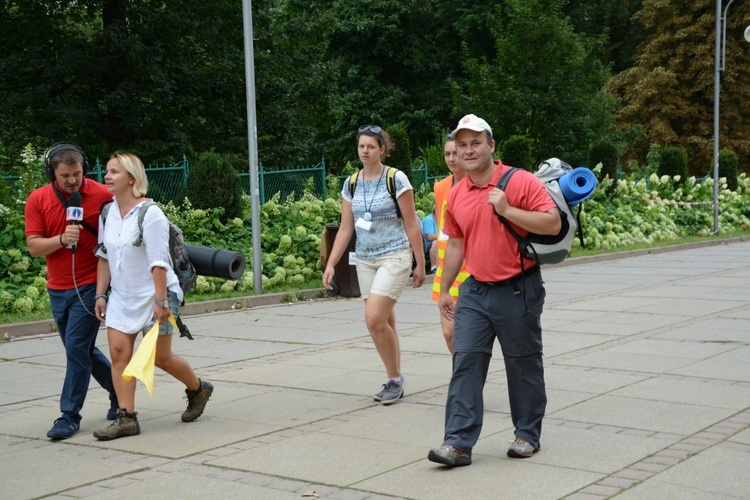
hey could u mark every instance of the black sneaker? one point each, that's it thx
(197, 401)
(64, 427)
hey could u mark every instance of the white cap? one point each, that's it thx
(472, 122)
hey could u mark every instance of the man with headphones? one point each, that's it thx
(71, 275)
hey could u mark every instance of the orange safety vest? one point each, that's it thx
(442, 190)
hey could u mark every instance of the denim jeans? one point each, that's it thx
(78, 330)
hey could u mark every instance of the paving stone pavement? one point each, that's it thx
(648, 374)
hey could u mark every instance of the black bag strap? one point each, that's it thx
(501, 184)
(580, 227)
(66, 204)
(182, 327)
(523, 243)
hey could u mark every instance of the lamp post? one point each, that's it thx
(719, 64)
(252, 136)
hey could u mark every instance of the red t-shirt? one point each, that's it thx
(490, 250)
(46, 217)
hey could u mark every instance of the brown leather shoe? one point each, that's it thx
(125, 424)
(197, 401)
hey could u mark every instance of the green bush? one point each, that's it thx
(605, 152)
(638, 211)
(434, 156)
(213, 181)
(17, 268)
(673, 161)
(5, 197)
(518, 152)
(400, 155)
(728, 163)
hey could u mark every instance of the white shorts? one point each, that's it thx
(385, 275)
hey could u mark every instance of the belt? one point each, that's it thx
(528, 272)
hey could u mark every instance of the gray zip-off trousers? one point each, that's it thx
(485, 312)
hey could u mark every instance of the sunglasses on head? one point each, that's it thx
(374, 129)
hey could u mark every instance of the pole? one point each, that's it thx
(717, 78)
(719, 60)
(252, 137)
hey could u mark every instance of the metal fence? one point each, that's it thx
(169, 182)
(165, 182)
(419, 176)
(287, 181)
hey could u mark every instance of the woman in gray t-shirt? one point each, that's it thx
(385, 243)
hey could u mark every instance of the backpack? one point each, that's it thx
(390, 184)
(548, 249)
(181, 264)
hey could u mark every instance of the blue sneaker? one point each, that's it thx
(64, 427)
(113, 406)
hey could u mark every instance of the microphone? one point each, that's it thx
(74, 212)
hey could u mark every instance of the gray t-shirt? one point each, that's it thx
(387, 234)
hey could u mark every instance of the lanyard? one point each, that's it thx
(368, 214)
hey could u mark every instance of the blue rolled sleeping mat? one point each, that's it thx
(577, 185)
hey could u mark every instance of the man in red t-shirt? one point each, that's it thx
(501, 299)
(69, 248)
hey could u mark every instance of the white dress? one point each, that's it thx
(131, 302)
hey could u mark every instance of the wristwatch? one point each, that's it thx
(163, 303)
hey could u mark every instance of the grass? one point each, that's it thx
(583, 252)
(6, 318)
(309, 284)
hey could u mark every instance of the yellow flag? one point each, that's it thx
(141, 365)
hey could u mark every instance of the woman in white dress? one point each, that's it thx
(144, 290)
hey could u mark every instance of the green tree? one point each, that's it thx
(669, 90)
(673, 161)
(214, 181)
(400, 155)
(545, 82)
(518, 152)
(159, 78)
(294, 80)
(397, 62)
(728, 162)
(605, 152)
(612, 19)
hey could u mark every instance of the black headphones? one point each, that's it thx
(49, 169)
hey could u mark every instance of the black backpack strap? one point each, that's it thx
(580, 227)
(505, 178)
(390, 184)
(523, 244)
(182, 327)
(103, 213)
(501, 184)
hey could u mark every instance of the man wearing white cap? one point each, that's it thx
(502, 299)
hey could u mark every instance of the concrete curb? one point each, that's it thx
(44, 327)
